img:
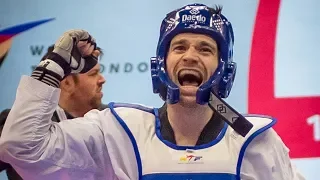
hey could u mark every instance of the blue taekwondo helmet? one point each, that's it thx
(200, 19)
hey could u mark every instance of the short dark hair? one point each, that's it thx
(75, 78)
(101, 51)
(217, 9)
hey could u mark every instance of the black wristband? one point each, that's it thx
(46, 76)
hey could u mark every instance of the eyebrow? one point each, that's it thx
(202, 43)
(212, 46)
(181, 41)
(93, 71)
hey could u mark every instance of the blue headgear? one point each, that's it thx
(195, 18)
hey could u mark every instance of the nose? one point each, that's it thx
(190, 56)
(102, 80)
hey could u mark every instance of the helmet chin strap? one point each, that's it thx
(239, 123)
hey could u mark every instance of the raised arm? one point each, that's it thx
(41, 149)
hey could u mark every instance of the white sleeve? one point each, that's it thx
(267, 158)
(40, 149)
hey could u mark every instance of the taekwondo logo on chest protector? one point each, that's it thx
(190, 159)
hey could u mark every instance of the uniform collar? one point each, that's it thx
(209, 133)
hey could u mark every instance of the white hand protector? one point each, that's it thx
(72, 54)
(75, 47)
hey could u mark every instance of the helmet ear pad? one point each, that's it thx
(227, 79)
(161, 83)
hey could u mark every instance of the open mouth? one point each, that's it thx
(190, 78)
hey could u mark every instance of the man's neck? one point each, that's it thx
(74, 110)
(188, 122)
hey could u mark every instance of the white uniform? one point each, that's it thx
(125, 143)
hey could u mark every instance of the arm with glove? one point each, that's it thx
(38, 148)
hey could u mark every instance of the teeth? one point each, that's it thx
(189, 77)
(193, 72)
(189, 83)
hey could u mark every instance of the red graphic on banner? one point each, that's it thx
(298, 117)
(7, 34)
